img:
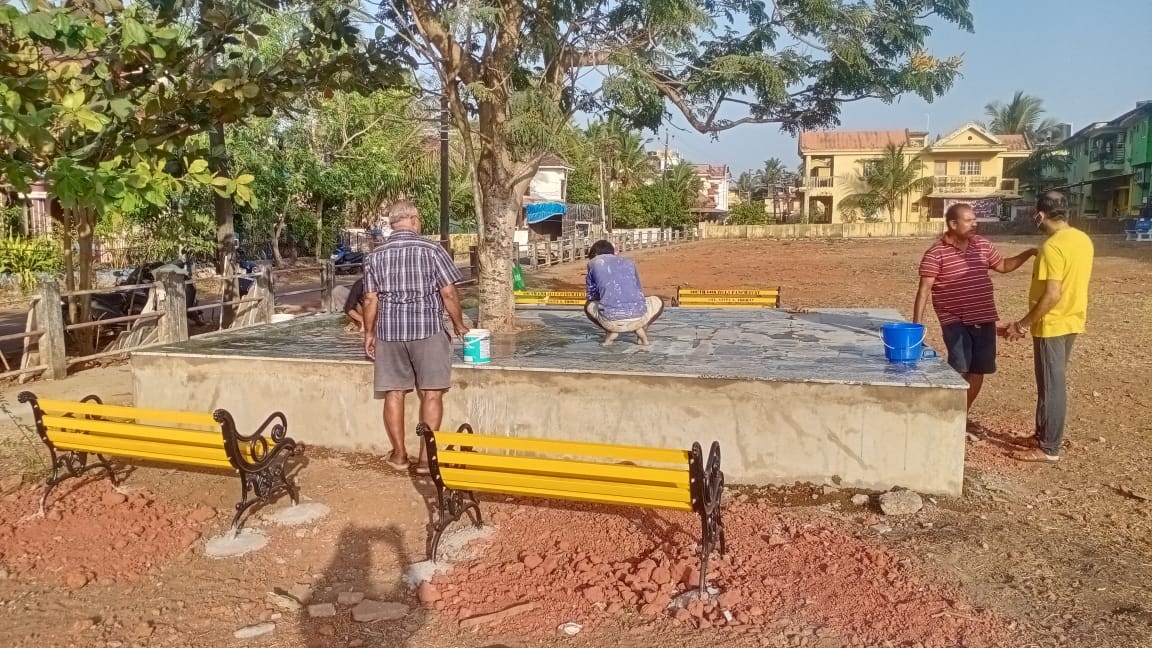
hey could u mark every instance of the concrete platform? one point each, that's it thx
(789, 397)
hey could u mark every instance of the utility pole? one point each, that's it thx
(603, 203)
(445, 212)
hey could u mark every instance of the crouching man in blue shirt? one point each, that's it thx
(616, 302)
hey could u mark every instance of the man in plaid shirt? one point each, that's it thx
(409, 283)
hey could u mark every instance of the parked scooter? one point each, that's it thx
(346, 260)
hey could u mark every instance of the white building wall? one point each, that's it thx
(550, 183)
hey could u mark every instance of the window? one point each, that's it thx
(869, 166)
(970, 167)
(940, 168)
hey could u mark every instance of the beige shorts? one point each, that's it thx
(417, 364)
(654, 307)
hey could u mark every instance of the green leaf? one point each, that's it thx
(259, 30)
(120, 107)
(223, 85)
(166, 33)
(197, 167)
(40, 23)
(220, 181)
(134, 33)
(250, 90)
(245, 179)
(158, 51)
(73, 100)
(90, 120)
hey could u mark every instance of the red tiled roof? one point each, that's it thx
(851, 140)
(1015, 142)
(552, 161)
(718, 171)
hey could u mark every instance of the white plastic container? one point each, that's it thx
(477, 346)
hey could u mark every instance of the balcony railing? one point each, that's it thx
(965, 183)
(819, 183)
(1114, 154)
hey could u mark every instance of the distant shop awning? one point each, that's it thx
(538, 212)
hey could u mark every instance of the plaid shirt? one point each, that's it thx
(407, 273)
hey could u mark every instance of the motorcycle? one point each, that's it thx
(346, 260)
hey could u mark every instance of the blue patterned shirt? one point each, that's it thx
(407, 273)
(614, 282)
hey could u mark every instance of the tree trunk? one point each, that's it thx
(501, 206)
(223, 206)
(277, 232)
(320, 230)
(85, 231)
(225, 224)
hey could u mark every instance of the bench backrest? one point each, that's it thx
(549, 298)
(735, 298)
(563, 469)
(150, 434)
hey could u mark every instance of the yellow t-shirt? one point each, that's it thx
(1066, 257)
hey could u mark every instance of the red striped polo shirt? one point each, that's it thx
(962, 292)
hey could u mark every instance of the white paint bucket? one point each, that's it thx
(477, 346)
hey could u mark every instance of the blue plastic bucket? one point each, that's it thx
(903, 341)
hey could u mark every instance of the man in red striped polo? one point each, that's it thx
(954, 272)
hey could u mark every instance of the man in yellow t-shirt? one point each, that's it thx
(1058, 310)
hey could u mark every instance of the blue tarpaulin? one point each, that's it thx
(538, 212)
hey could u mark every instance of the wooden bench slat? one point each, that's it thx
(626, 491)
(576, 497)
(581, 448)
(692, 292)
(588, 469)
(116, 447)
(136, 431)
(133, 413)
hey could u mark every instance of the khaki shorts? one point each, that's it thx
(417, 364)
(654, 307)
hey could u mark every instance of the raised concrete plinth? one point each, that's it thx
(789, 397)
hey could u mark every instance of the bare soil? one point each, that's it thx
(1030, 556)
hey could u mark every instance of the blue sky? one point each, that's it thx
(1088, 60)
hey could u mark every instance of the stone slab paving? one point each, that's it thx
(840, 346)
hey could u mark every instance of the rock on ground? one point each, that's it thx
(900, 502)
(253, 631)
(368, 611)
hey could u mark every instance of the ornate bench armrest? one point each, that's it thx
(268, 445)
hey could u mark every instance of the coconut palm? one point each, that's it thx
(684, 183)
(622, 151)
(774, 173)
(1021, 116)
(888, 180)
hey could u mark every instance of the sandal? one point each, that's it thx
(423, 471)
(396, 465)
(1035, 456)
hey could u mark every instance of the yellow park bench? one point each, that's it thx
(76, 431)
(461, 463)
(736, 298)
(534, 298)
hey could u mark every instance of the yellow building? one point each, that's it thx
(966, 165)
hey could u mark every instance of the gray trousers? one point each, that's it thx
(1050, 357)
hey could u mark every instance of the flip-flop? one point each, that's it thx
(423, 471)
(400, 467)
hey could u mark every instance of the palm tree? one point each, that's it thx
(747, 183)
(1021, 116)
(684, 183)
(774, 172)
(622, 151)
(888, 180)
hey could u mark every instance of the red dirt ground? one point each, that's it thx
(1031, 556)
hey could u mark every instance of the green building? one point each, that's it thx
(1110, 166)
